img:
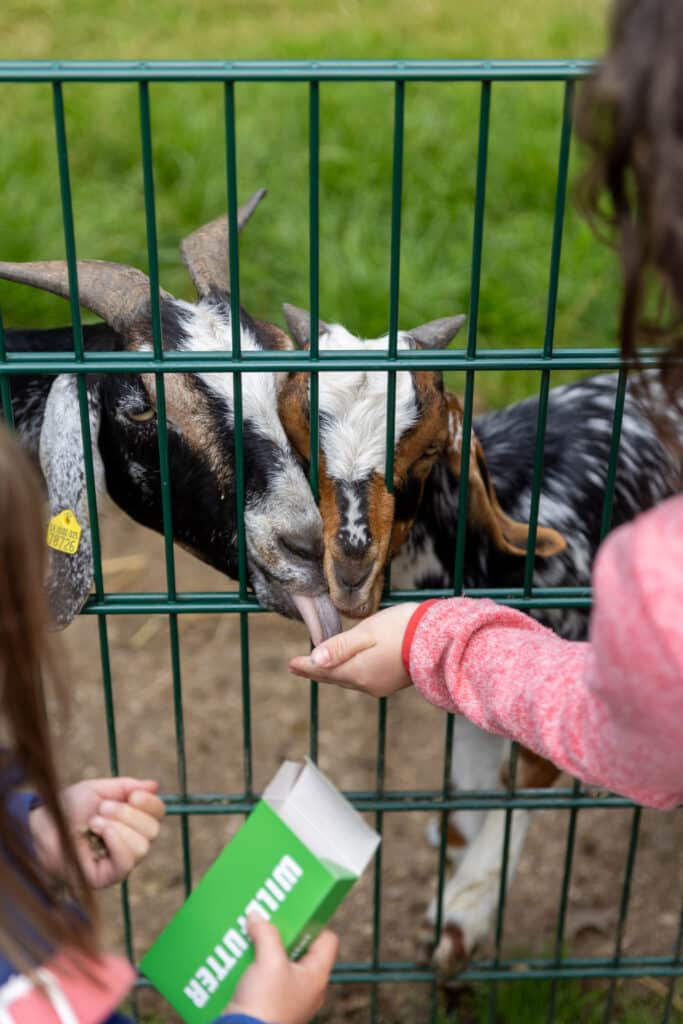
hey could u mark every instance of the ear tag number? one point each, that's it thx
(64, 532)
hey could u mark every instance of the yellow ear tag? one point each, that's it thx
(64, 532)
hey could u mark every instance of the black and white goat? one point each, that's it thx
(418, 527)
(282, 524)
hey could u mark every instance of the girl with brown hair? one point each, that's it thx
(56, 847)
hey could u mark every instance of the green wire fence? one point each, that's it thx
(380, 801)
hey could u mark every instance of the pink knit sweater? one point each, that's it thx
(609, 711)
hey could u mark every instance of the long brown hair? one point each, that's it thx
(630, 115)
(33, 912)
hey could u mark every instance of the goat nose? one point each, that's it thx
(351, 574)
(302, 544)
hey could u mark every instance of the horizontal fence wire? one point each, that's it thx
(539, 355)
(295, 71)
(265, 362)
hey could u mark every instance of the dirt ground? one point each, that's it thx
(212, 701)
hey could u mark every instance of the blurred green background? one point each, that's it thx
(441, 126)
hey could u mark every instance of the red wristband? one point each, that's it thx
(413, 623)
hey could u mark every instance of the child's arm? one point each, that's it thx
(609, 711)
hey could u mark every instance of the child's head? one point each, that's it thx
(26, 752)
(631, 118)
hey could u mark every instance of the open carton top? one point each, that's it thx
(321, 817)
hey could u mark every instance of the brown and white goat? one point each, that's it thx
(282, 524)
(418, 528)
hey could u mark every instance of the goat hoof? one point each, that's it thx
(450, 956)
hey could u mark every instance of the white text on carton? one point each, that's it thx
(218, 965)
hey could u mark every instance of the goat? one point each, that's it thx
(419, 530)
(282, 524)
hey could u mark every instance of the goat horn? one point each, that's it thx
(206, 251)
(437, 333)
(114, 291)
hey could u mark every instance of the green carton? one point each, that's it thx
(293, 861)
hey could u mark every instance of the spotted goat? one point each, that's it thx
(283, 527)
(364, 527)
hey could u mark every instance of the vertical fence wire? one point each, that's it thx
(551, 309)
(395, 276)
(468, 404)
(5, 392)
(623, 909)
(564, 899)
(676, 958)
(314, 293)
(392, 346)
(164, 466)
(314, 289)
(502, 888)
(103, 638)
(613, 460)
(556, 251)
(314, 266)
(233, 256)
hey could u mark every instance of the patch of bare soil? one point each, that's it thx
(212, 699)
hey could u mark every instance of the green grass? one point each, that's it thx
(356, 154)
(576, 1002)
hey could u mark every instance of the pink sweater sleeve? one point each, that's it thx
(609, 711)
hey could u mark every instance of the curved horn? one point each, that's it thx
(437, 333)
(114, 291)
(206, 251)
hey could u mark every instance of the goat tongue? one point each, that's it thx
(320, 616)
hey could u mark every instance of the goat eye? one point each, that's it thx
(142, 417)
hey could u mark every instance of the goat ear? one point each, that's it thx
(299, 324)
(484, 509)
(437, 333)
(61, 459)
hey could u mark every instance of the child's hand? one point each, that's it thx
(277, 990)
(124, 813)
(367, 657)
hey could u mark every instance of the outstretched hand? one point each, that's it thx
(275, 989)
(123, 812)
(366, 658)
